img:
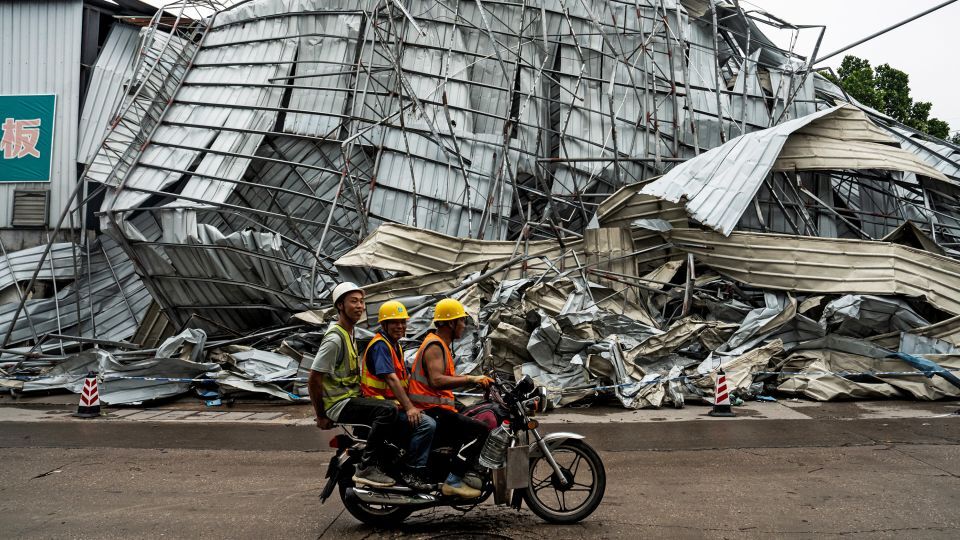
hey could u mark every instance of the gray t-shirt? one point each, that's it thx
(329, 354)
(325, 361)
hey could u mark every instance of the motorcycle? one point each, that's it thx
(559, 476)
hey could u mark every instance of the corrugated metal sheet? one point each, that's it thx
(328, 44)
(719, 185)
(444, 198)
(40, 41)
(405, 249)
(806, 152)
(626, 206)
(95, 305)
(822, 265)
(943, 158)
(105, 92)
(154, 72)
(320, 184)
(200, 104)
(20, 265)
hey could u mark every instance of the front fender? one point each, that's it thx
(552, 440)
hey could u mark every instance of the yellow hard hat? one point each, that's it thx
(448, 309)
(392, 311)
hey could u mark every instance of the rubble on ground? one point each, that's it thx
(625, 203)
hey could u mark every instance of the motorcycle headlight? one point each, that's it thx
(524, 386)
(543, 403)
(537, 401)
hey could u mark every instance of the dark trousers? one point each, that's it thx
(464, 434)
(380, 415)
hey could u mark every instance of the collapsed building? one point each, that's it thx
(627, 195)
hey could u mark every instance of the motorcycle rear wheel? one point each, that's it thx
(582, 467)
(384, 516)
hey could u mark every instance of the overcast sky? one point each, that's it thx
(927, 49)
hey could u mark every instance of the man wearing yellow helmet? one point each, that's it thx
(383, 375)
(431, 382)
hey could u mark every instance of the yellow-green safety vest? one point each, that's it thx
(345, 381)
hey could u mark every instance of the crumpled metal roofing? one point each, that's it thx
(399, 248)
(439, 134)
(20, 265)
(108, 78)
(718, 186)
(826, 265)
(244, 175)
(106, 302)
(151, 74)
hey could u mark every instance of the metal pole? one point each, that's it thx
(56, 296)
(716, 71)
(884, 31)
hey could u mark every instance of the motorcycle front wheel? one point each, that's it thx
(571, 501)
(384, 516)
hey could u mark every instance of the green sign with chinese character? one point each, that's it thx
(26, 137)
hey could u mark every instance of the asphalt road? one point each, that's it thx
(859, 478)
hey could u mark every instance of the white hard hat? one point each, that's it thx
(342, 289)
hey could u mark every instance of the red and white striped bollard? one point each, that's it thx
(89, 398)
(721, 397)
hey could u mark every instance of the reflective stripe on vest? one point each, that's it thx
(419, 390)
(345, 381)
(373, 385)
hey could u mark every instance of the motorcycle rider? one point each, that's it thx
(334, 386)
(431, 382)
(383, 375)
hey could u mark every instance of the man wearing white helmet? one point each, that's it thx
(334, 385)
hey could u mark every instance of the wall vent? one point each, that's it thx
(30, 208)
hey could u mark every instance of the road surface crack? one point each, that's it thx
(48, 473)
(332, 521)
(901, 452)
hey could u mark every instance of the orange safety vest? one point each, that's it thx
(420, 392)
(374, 386)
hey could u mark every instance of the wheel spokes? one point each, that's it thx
(575, 465)
(539, 485)
(569, 460)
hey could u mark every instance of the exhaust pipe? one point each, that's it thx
(410, 498)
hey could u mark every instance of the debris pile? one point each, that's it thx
(627, 195)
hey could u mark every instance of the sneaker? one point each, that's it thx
(463, 491)
(372, 476)
(473, 480)
(415, 481)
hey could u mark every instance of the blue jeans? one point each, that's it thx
(421, 439)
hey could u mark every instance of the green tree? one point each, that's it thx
(939, 128)
(856, 78)
(919, 117)
(893, 90)
(887, 90)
